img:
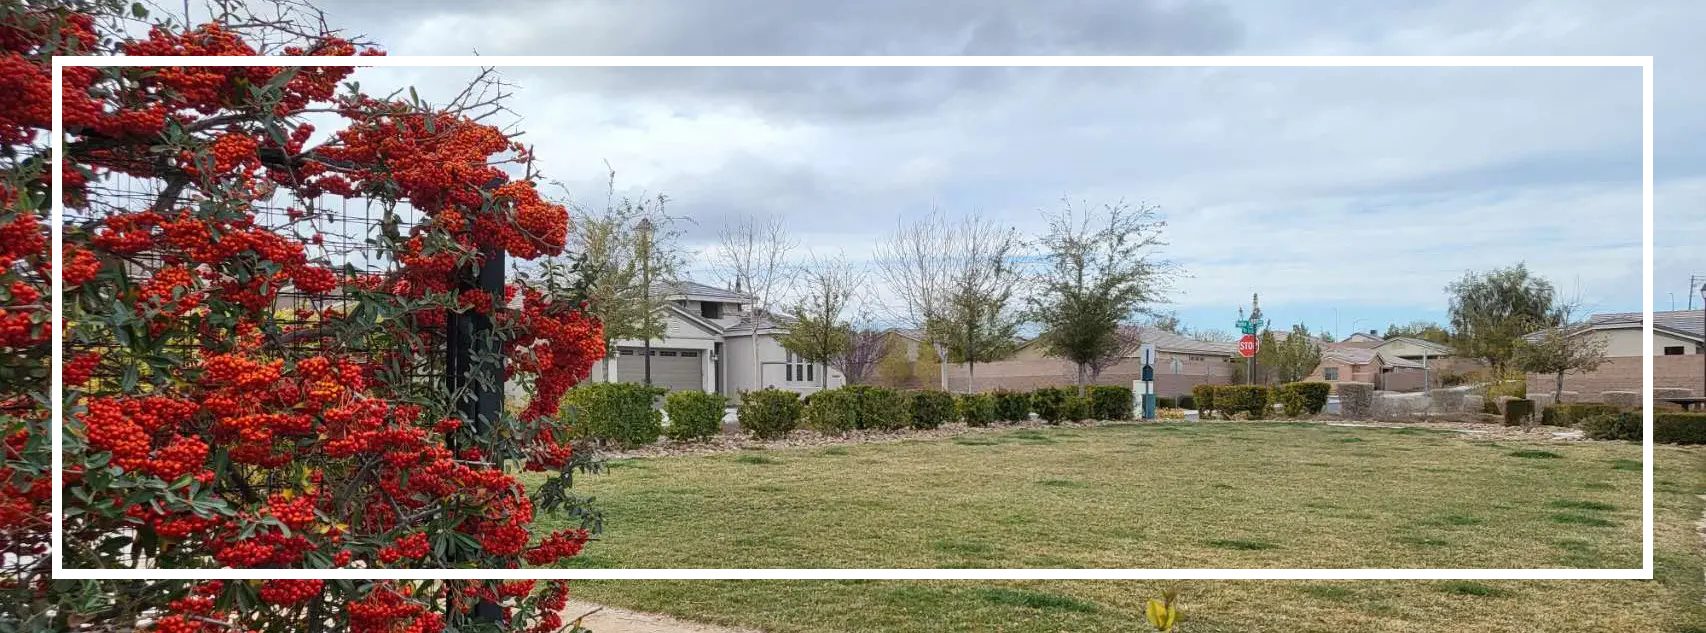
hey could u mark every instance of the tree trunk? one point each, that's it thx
(757, 367)
(941, 364)
(1081, 373)
(609, 361)
(1558, 390)
(971, 377)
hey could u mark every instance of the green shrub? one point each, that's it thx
(616, 412)
(1077, 407)
(1252, 400)
(1679, 428)
(976, 409)
(1012, 406)
(769, 413)
(880, 408)
(1302, 398)
(1623, 425)
(930, 408)
(1571, 414)
(1109, 402)
(1204, 397)
(1164, 402)
(1314, 395)
(831, 411)
(1050, 403)
(694, 415)
(1518, 411)
(1187, 401)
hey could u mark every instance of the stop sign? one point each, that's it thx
(1247, 346)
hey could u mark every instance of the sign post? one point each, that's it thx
(1146, 396)
(1249, 345)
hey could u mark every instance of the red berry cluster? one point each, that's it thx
(303, 456)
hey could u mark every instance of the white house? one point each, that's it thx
(708, 345)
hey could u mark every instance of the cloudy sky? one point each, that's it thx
(1347, 197)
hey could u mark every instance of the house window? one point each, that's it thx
(1332, 373)
(666, 353)
(690, 354)
(1673, 351)
(1195, 357)
(711, 309)
(626, 352)
(1178, 367)
(798, 370)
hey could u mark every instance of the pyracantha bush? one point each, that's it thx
(233, 397)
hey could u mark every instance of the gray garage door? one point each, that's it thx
(673, 369)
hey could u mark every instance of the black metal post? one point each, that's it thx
(646, 295)
(474, 360)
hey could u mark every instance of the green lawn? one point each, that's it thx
(1213, 495)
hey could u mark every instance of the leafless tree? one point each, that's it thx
(751, 256)
(865, 349)
(953, 281)
(1562, 349)
(820, 333)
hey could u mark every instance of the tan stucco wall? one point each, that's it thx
(1624, 374)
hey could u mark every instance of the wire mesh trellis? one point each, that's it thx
(435, 369)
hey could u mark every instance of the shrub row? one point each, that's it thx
(976, 409)
(1618, 425)
(770, 413)
(615, 412)
(1679, 428)
(1302, 398)
(1011, 406)
(1668, 427)
(1573, 414)
(1257, 401)
(693, 415)
(1110, 402)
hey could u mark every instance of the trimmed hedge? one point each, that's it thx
(1053, 404)
(694, 415)
(976, 409)
(1077, 407)
(616, 412)
(1315, 396)
(769, 413)
(1164, 402)
(1012, 406)
(831, 411)
(1110, 402)
(1187, 401)
(930, 408)
(1252, 400)
(1679, 428)
(1203, 397)
(1622, 425)
(880, 408)
(1356, 400)
(1575, 413)
(1518, 411)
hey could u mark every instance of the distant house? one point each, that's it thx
(1349, 363)
(1181, 363)
(1677, 344)
(708, 345)
(1415, 349)
(1363, 339)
